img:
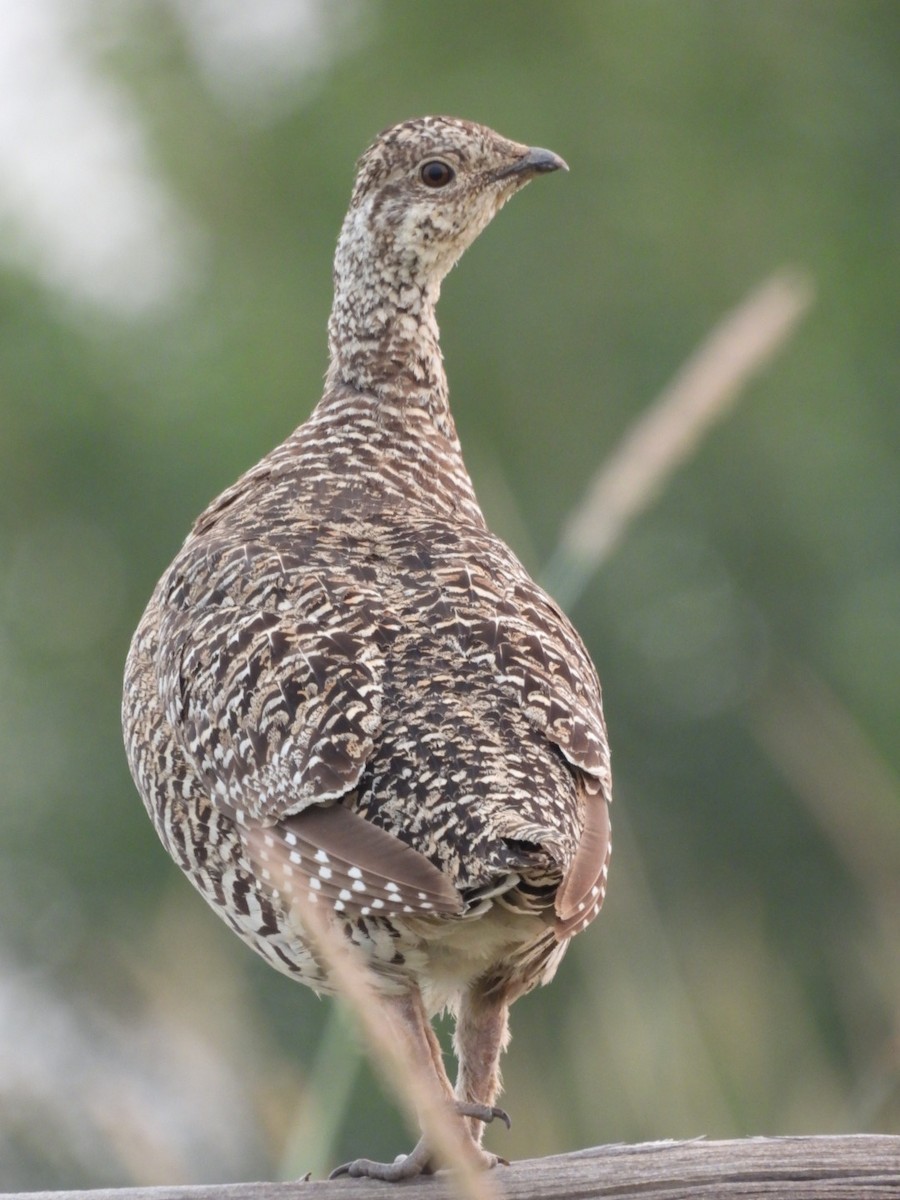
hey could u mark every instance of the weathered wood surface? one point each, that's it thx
(854, 1167)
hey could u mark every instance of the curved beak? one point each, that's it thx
(535, 161)
(540, 161)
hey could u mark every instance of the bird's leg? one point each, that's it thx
(407, 1015)
(482, 1034)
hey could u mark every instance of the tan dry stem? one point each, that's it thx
(412, 1082)
(670, 430)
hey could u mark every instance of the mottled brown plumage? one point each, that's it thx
(346, 689)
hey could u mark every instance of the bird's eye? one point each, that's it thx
(436, 174)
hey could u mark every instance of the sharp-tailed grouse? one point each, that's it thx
(346, 689)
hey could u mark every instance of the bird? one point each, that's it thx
(347, 691)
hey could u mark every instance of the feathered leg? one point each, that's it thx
(408, 1016)
(482, 1034)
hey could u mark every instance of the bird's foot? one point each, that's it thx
(479, 1115)
(482, 1112)
(405, 1166)
(419, 1160)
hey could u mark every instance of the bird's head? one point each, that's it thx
(424, 191)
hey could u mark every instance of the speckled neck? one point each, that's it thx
(383, 337)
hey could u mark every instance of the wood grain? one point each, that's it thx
(852, 1167)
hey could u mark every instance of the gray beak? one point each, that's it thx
(540, 161)
(535, 162)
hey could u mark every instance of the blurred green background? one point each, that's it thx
(173, 174)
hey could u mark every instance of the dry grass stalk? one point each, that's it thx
(670, 430)
(411, 1081)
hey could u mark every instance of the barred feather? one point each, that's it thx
(344, 685)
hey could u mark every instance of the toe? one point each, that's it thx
(482, 1112)
(406, 1166)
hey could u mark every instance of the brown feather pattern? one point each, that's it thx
(345, 683)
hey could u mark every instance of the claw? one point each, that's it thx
(405, 1166)
(418, 1161)
(482, 1112)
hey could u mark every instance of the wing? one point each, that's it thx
(271, 679)
(503, 619)
(333, 856)
(583, 890)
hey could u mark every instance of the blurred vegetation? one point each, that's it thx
(173, 174)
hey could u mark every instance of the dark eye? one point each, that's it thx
(436, 174)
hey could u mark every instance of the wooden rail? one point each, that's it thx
(852, 1167)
